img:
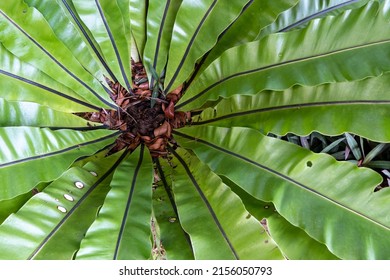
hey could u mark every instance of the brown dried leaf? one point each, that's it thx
(169, 132)
(146, 139)
(162, 129)
(125, 103)
(178, 90)
(144, 86)
(179, 120)
(119, 145)
(157, 144)
(120, 98)
(123, 126)
(170, 111)
(95, 117)
(175, 94)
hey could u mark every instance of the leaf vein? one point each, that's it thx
(283, 176)
(206, 202)
(275, 65)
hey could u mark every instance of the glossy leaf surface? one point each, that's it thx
(73, 189)
(52, 223)
(105, 21)
(192, 39)
(293, 242)
(39, 155)
(31, 114)
(283, 60)
(161, 17)
(260, 14)
(306, 10)
(122, 228)
(29, 37)
(138, 10)
(176, 242)
(331, 109)
(20, 81)
(284, 173)
(68, 33)
(202, 199)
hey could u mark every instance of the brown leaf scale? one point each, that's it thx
(137, 120)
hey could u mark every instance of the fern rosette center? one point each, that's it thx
(144, 114)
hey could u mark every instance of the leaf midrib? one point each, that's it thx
(56, 61)
(113, 43)
(128, 202)
(189, 46)
(48, 89)
(205, 201)
(86, 36)
(77, 204)
(284, 177)
(292, 106)
(159, 37)
(276, 65)
(315, 15)
(77, 146)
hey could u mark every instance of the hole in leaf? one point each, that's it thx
(61, 209)
(79, 185)
(68, 197)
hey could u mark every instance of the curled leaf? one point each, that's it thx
(170, 111)
(175, 94)
(163, 129)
